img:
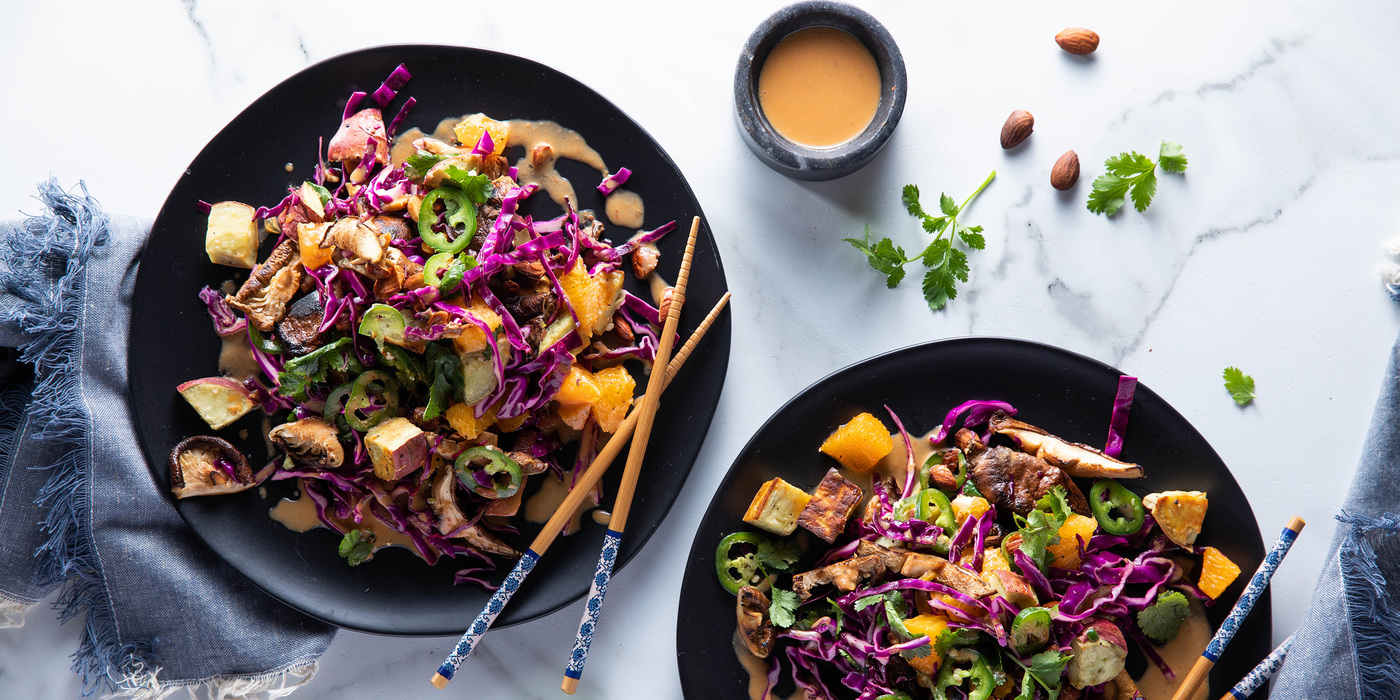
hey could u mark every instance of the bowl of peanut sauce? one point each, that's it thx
(819, 88)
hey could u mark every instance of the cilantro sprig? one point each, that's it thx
(1240, 386)
(783, 610)
(357, 546)
(1134, 175)
(947, 265)
(1045, 668)
(1040, 528)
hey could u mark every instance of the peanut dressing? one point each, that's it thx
(299, 515)
(819, 87)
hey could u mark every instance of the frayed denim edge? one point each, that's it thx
(45, 269)
(1375, 624)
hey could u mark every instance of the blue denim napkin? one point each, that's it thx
(1349, 643)
(78, 508)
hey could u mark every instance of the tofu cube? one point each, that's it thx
(232, 238)
(396, 447)
(831, 506)
(776, 506)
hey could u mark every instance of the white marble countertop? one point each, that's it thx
(1262, 256)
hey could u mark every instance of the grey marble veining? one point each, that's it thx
(1261, 255)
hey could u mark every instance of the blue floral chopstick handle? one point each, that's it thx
(488, 615)
(1263, 672)
(1250, 596)
(606, 559)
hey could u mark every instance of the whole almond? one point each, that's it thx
(1066, 171)
(1078, 40)
(1018, 126)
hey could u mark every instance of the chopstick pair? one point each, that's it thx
(1251, 595)
(581, 488)
(622, 505)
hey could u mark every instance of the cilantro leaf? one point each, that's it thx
(1172, 158)
(1133, 174)
(476, 187)
(315, 367)
(910, 197)
(357, 546)
(783, 608)
(1162, 620)
(895, 605)
(778, 556)
(417, 165)
(1240, 386)
(946, 264)
(953, 637)
(1046, 668)
(867, 601)
(1040, 528)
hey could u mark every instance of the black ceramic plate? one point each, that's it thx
(172, 340)
(1067, 394)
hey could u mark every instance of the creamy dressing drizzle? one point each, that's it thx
(658, 289)
(299, 515)
(236, 357)
(625, 208)
(1180, 654)
(540, 506)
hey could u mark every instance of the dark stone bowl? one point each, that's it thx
(805, 162)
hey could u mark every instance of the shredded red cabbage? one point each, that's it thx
(391, 86)
(1118, 423)
(614, 181)
(978, 412)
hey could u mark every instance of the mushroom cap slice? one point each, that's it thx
(755, 628)
(205, 465)
(1075, 458)
(310, 442)
(263, 298)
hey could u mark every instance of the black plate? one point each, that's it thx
(172, 340)
(1067, 394)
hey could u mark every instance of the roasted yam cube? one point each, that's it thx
(1180, 513)
(232, 238)
(1014, 588)
(860, 443)
(218, 400)
(396, 447)
(831, 506)
(776, 506)
(1099, 654)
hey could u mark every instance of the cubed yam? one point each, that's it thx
(309, 243)
(615, 388)
(831, 506)
(463, 419)
(506, 507)
(860, 443)
(232, 237)
(396, 447)
(1099, 654)
(1180, 513)
(218, 400)
(1217, 573)
(1077, 528)
(776, 506)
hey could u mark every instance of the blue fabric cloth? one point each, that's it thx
(1349, 643)
(78, 507)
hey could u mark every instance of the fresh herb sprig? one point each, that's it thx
(947, 265)
(1133, 174)
(1240, 386)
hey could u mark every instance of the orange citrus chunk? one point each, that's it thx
(860, 443)
(993, 559)
(472, 338)
(574, 415)
(1217, 573)
(309, 244)
(591, 296)
(965, 506)
(510, 425)
(1066, 551)
(463, 419)
(579, 387)
(615, 387)
(469, 130)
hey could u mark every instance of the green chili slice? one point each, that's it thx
(978, 675)
(458, 213)
(935, 508)
(1030, 630)
(1121, 513)
(335, 405)
(489, 472)
(264, 343)
(435, 266)
(374, 398)
(736, 561)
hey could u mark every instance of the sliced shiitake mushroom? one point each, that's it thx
(310, 442)
(204, 465)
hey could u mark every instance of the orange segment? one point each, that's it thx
(615, 387)
(463, 419)
(579, 387)
(510, 425)
(1217, 573)
(993, 559)
(309, 244)
(469, 130)
(860, 443)
(1066, 551)
(931, 625)
(573, 415)
(965, 506)
(472, 338)
(592, 297)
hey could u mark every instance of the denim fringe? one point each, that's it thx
(1374, 622)
(13, 400)
(46, 271)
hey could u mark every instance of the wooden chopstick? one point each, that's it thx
(1251, 594)
(622, 505)
(1261, 674)
(590, 476)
